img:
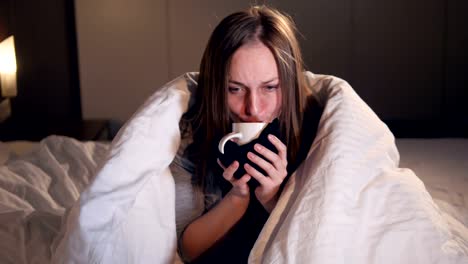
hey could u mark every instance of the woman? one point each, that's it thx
(251, 71)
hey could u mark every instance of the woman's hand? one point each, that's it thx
(267, 192)
(240, 189)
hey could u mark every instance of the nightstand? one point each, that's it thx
(84, 130)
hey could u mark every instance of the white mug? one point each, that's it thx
(244, 132)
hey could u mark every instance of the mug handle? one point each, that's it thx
(227, 137)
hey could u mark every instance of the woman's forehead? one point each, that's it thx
(253, 64)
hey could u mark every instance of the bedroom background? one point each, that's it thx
(84, 63)
(84, 67)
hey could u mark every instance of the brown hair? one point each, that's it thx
(210, 116)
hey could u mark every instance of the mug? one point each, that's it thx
(244, 132)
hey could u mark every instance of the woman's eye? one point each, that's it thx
(234, 89)
(271, 87)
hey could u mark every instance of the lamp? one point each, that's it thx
(7, 76)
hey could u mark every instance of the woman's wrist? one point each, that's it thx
(204, 231)
(270, 204)
(238, 201)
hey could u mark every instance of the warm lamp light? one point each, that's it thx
(7, 76)
(8, 67)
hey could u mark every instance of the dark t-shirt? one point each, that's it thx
(236, 245)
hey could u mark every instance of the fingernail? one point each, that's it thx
(258, 147)
(250, 155)
(270, 136)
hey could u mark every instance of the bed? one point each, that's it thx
(442, 164)
(40, 181)
(29, 224)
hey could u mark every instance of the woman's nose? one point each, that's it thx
(252, 105)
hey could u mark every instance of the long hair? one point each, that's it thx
(210, 116)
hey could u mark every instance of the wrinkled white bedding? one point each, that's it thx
(442, 164)
(15, 148)
(35, 190)
(438, 162)
(349, 203)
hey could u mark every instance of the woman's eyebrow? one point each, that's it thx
(241, 84)
(269, 81)
(238, 83)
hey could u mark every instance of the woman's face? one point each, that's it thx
(254, 94)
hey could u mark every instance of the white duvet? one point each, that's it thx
(347, 203)
(350, 203)
(36, 188)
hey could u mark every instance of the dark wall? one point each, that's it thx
(397, 56)
(456, 52)
(407, 59)
(47, 76)
(4, 19)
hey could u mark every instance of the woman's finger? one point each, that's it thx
(243, 180)
(228, 173)
(279, 146)
(265, 165)
(220, 164)
(262, 179)
(272, 157)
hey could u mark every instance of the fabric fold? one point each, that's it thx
(348, 202)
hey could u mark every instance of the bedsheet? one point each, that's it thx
(439, 163)
(352, 201)
(36, 189)
(15, 148)
(349, 202)
(442, 164)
